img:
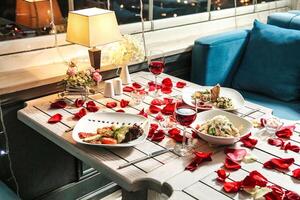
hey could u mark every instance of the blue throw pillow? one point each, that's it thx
(271, 63)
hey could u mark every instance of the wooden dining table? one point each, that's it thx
(163, 175)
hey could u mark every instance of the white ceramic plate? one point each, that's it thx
(237, 99)
(243, 125)
(92, 121)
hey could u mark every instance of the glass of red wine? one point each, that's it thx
(156, 64)
(185, 115)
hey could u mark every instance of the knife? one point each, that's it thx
(151, 155)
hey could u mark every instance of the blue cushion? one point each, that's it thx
(271, 64)
(218, 53)
(281, 19)
(281, 109)
(6, 193)
(295, 23)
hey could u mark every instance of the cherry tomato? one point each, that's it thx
(106, 140)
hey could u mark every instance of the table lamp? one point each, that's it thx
(93, 27)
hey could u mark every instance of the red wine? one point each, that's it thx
(156, 67)
(185, 116)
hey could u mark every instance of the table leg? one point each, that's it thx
(137, 195)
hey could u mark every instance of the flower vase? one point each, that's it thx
(125, 76)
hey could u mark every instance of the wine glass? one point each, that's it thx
(156, 64)
(185, 115)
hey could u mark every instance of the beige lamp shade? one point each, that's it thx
(92, 27)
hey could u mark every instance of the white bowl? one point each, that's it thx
(243, 125)
(237, 99)
(90, 122)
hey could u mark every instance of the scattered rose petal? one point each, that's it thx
(128, 89)
(232, 187)
(231, 165)
(275, 141)
(198, 159)
(168, 100)
(168, 109)
(166, 90)
(58, 104)
(221, 175)
(79, 114)
(276, 193)
(286, 132)
(91, 106)
(175, 134)
(158, 136)
(247, 141)
(111, 104)
(291, 147)
(152, 86)
(180, 84)
(55, 118)
(296, 173)
(279, 163)
(290, 195)
(254, 179)
(157, 102)
(154, 109)
(143, 113)
(159, 117)
(136, 85)
(124, 103)
(235, 154)
(78, 103)
(153, 128)
(167, 82)
(120, 110)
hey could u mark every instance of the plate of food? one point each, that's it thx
(213, 97)
(110, 129)
(221, 127)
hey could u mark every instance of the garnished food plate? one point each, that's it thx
(108, 129)
(221, 127)
(213, 97)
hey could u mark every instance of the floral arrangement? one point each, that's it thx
(84, 78)
(129, 49)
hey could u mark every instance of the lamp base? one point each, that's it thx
(95, 57)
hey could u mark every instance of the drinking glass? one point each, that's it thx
(185, 115)
(156, 64)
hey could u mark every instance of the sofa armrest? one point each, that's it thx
(215, 58)
(6, 193)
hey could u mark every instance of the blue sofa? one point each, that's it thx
(6, 193)
(217, 58)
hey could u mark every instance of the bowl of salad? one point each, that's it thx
(221, 127)
(108, 129)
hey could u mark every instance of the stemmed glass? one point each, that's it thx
(185, 115)
(156, 64)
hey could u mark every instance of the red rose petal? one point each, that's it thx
(128, 89)
(154, 109)
(231, 165)
(168, 100)
(159, 117)
(79, 114)
(158, 136)
(157, 102)
(91, 106)
(180, 84)
(136, 85)
(58, 104)
(168, 109)
(152, 86)
(291, 147)
(124, 103)
(153, 128)
(232, 187)
(286, 132)
(111, 104)
(290, 195)
(275, 141)
(279, 163)
(276, 194)
(78, 103)
(296, 173)
(247, 141)
(254, 179)
(235, 154)
(167, 82)
(55, 118)
(120, 110)
(198, 159)
(222, 175)
(166, 90)
(143, 113)
(175, 134)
